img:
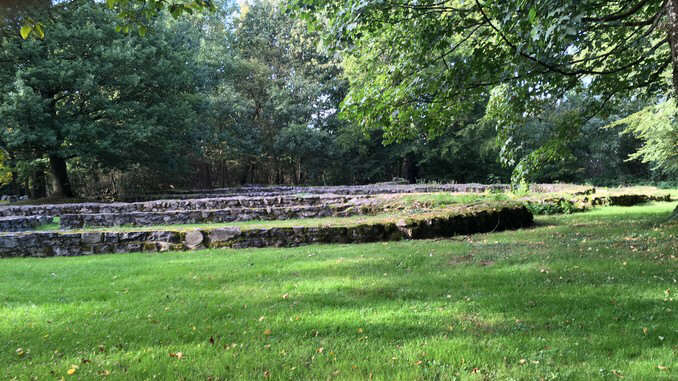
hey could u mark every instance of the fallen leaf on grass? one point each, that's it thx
(72, 371)
(617, 373)
(522, 361)
(661, 367)
(177, 355)
(285, 296)
(320, 350)
(20, 352)
(267, 332)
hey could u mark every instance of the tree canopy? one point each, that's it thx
(94, 95)
(420, 66)
(127, 96)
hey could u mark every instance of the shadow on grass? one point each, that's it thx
(533, 299)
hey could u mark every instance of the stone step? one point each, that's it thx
(372, 189)
(22, 223)
(175, 217)
(477, 219)
(170, 205)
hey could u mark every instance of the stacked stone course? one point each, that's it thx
(22, 223)
(75, 221)
(472, 220)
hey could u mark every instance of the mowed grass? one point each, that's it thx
(588, 296)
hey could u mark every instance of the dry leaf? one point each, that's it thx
(262, 318)
(661, 367)
(644, 331)
(360, 330)
(320, 350)
(20, 352)
(285, 296)
(522, 361)
(73, 369)
(267, 332)
(178, 355)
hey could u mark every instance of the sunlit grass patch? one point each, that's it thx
(579, 297)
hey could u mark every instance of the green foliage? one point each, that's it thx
(548, 208)
(132, 14)
(417, 68)
(425, 64)
(5, 170)
(656, 126)
(92, 96)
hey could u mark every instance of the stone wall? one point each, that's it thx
(258, 191)
(179, 204)
(22, 223)
(76, 221)
(475, 219)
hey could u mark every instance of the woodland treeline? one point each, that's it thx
(252, 93)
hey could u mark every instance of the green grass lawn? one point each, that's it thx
(579, 297)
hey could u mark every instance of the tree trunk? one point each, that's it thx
(672, 10)
(411, 167)
(62, 186)
(38, 187)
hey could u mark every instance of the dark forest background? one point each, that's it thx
(244, 95)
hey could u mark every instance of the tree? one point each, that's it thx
(425, 64)
(132, 14)
(272, 87)
(96, 96)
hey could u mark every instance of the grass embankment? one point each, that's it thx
(580, 297)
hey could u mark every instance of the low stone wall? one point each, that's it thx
(170, 205)
(22, 223)
(628, 199)
(476, 219)
(372, 189)
(75, 221)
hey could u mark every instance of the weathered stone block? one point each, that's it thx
(223, 234)
(194, 239)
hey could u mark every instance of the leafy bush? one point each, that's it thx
(548, 208)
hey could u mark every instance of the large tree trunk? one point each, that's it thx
(38, 188)
(62, 186)
(411, 167)
(672, 16)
